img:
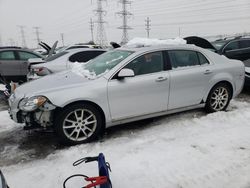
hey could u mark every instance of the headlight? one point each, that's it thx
(31, 104)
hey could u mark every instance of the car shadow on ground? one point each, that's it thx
(22, 146)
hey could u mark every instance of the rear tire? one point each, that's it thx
(78, 123)
(218, 98)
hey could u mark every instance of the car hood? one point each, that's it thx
(52, 83)
(201, 42)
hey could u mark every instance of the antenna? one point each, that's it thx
(62, 37)
(125, 15)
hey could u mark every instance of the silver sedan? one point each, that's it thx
(124, 85)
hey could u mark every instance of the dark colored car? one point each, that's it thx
(14, 63)
(236, 48)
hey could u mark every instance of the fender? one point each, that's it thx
(221, 77)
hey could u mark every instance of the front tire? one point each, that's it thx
(218, 98)
(78, 123)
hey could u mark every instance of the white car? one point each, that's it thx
(124, 85)
(63, 61)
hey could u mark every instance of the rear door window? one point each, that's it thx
(232, 46)
(7, 55)
(26, 55)
(203, 60)
(245, 44)
(84, 56)
(183, 58)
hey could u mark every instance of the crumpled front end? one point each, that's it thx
(33, 115)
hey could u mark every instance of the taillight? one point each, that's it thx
(38, 69)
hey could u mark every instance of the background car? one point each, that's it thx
(236, 48)
(63, 61)
(124, 85)
(14, 63)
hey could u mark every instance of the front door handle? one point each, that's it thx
(208, 72)
(160, 79)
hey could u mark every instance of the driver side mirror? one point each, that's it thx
(126, 73)
(3, 183)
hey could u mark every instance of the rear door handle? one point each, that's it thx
(208, 72)
(160, 79)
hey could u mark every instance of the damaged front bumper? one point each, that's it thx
(42, 116)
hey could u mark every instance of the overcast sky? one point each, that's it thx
(71, 17)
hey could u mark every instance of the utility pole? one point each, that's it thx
(1, 42)
(101, 38)
(37, 32)
(21, 27)
(62, 37)
(148, 26)
(11, 42)
(91, 26)
(125, 15)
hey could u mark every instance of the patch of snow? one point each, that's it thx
(2, 87)
(78, 68)
(6, 124)
(180, 150)
(247, 69)
(137, 42)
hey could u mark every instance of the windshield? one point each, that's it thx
(106, 61)
(218, 44)
(53, 57)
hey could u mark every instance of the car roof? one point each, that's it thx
(19, 49)
(160, 47)
(84, 49)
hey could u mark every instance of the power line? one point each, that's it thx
(101, 38)
(37, 32)
(148, 26)
(21, 27)
(91, 25)
(125, 15)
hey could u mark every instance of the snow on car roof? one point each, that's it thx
(145, 44)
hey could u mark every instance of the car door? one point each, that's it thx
(23, 58)
(145, 93)
(232, 50)
(245, 49)
(9, 65)
(189, 77)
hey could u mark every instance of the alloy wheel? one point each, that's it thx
(219, 98)
(79, 124)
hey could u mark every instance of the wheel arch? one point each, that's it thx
(58, 109)
(220, 82)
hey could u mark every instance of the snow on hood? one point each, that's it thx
(154, 42)
(78, 68)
